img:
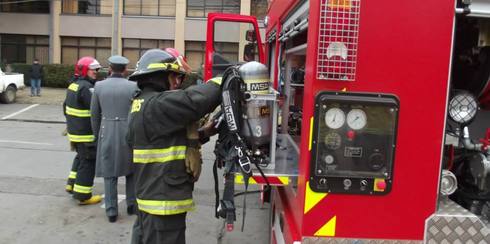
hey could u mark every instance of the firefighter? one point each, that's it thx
(77, 113)
(157, 134)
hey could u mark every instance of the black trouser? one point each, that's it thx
(82, 189)
(73, 173)
(162, 229)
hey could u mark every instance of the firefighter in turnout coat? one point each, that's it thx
(157, 133)
(77, 113)
(110, 106)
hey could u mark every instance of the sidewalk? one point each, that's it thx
(49, 96)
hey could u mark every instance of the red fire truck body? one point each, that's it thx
(396, 55)
(389, 61)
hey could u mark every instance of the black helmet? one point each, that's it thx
(156, 60)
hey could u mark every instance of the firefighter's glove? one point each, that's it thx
(208, 130)
(193, 162)
(193, 159)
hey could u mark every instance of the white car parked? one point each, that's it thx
(9, 84)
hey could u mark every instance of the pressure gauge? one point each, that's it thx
(333, 141)
(356, 119)
(334, 118)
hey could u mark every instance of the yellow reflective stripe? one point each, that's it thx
(73, 175)
(165, 207)
(73, 87)
(166, 66)
(81, 138)
(84, 113)
(159, 155)
(216, 80)
(82, 189)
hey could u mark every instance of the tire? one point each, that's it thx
(9, 95)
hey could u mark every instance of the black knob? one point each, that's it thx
(376, 161)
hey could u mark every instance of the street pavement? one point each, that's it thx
(34, 162)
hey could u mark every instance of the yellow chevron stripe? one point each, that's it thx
(312, 198)
(328, 229)
(239, 179)
(284, 179)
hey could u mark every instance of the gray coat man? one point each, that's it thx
(110, 107)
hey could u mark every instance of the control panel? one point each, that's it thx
(353, 143)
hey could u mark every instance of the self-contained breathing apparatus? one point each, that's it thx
(245, 136)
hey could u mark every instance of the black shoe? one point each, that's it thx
(131, 209)
(112, 219)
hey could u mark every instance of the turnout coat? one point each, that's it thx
(110, 106)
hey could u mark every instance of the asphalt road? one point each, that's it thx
(34, 162)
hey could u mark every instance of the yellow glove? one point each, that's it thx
(193, 159)
(193, 162)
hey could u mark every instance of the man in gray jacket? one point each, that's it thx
(110, 106)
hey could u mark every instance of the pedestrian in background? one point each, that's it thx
(110, 106)
(36, 73)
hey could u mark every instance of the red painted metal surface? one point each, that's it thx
(278, 9)
(404, 49)
(291, 230)
(212, 18)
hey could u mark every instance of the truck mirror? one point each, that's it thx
(250, 36)
(249, 52)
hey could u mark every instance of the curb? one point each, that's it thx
(35, 121)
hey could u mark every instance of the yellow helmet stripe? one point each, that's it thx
(165, 66)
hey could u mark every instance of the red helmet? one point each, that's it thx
(174, 52)
(84, 64)
(180, 58)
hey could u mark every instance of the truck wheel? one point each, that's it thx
(9, 95)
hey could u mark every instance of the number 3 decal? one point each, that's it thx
(258, 131)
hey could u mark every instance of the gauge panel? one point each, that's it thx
(354, 142)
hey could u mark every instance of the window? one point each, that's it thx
(24, 48)
(93, 7)
(24, 6)
(149, 7)
(195, 51)
(259, 9)
(201, 8)
(134, 48)
(73, 48)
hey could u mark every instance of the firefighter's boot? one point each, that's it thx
(92, 200)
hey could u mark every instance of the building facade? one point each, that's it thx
(62, 31)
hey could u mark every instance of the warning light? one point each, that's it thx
(351, 135)
(229, 227)
(379, 185)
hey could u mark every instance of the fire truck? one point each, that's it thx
(377, 117)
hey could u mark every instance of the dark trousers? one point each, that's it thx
(162, 229)
(73, 173)
(110, 187)
(82, 189)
